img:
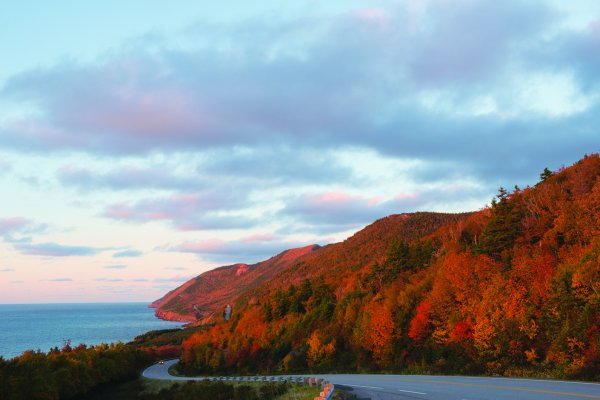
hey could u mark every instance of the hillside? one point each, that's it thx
(197, 300)
(512, 289)
(200, 298)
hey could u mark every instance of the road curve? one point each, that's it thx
(161, 371)
(416, 387)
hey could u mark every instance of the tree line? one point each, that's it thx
(69, 373)
(513, 289)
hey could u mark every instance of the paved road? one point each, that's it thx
(419, 387)
(386, 387)
(161, 371)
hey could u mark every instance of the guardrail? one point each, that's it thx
(326, 388)
(326, 393)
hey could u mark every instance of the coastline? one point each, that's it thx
(171, 316)
(46, 326)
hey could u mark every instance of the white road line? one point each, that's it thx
(410, 391)
(367, 387)
(546, 380)
(534, 380)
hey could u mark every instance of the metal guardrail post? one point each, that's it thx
(328, 389)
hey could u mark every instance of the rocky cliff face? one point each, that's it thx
(202, 298)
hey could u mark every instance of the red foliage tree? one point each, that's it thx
(420, 325)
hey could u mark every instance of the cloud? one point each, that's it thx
(108, 280)
(59, 280)
(276, 164)
(115, 290)
(127, 253)
(236, 250)
(576, 51)
(119, 266)
(5, 166)
(259, 237)
(404, 83)
(12, 225)
(6, 270)
(165, 287)
(16, 230)
(56, 250)
(139, 280)
(17, 282)
(186, 211)
(126, 178)
(448, 51)
(232, 169)
(176, 268)
(241, 127)
(338, 211)
(176, 279)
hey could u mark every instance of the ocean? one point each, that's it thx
(44, 326)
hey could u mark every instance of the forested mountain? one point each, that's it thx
(203, 298)
(511, 289)
(200, 298)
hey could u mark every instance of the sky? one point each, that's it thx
(143, 143)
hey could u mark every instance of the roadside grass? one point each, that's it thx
(295, 392)
(143, 386)
(300, 392)
(154, 385)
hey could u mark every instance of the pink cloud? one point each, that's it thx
(336, 200)
(406, 196)
(334, 211)
(119, 211)
(373, 201)
(9, 225)
(207, 246)
(235, 250)
(331, 198)
(259, 237)
(153, 112)
(186, 211)
(176, 279)
(341, 198)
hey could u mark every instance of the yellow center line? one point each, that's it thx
(520, 389)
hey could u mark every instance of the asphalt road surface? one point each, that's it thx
(415, 387)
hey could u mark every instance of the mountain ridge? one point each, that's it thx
(512, 289)
(198, 299)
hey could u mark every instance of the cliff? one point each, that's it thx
(197, 300)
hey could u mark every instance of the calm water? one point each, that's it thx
(43, 326)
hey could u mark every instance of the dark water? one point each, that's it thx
(43, 326)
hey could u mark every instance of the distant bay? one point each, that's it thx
(44, 326)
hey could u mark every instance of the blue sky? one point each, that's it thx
(142, 144)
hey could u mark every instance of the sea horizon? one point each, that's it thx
(43, 326)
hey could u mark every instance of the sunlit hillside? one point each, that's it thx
(510, 289)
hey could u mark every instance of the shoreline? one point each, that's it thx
(91, 324)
